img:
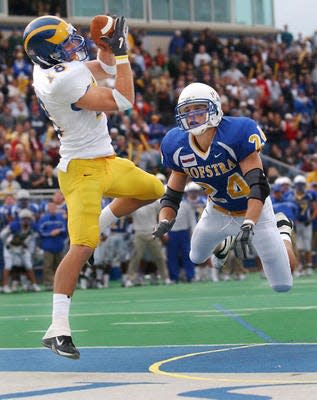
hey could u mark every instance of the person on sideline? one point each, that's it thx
(66, 87)
(221, 154)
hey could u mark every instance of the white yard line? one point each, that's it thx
(142, 323)
(165, 312)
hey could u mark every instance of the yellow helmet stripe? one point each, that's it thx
(61, 33)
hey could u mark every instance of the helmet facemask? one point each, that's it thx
(204, 115)
(73, 48)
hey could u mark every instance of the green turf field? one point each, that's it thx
(183, 314)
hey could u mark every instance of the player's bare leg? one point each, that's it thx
(58, 336)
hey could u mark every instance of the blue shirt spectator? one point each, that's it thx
(52, 230)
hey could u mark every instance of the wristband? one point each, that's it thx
(109, 69)
(248, 222)
(122, 59)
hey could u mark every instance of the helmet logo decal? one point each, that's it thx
(61, 34)
(55, 39)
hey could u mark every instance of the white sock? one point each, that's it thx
(106, 218)
(60, 324)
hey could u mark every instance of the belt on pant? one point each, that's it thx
(231, 213)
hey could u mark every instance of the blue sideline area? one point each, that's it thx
(274, 358)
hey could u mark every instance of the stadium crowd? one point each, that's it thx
(272, 79)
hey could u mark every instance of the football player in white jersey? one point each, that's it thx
(221, 154)
(65, 83)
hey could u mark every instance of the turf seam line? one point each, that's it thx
(244, 323)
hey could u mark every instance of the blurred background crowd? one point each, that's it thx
(272, 79)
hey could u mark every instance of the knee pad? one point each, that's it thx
(194, 259)
(281, 288)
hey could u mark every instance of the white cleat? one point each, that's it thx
(36, 287)
(128, 283)
(7, 289)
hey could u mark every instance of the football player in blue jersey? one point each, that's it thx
(221, 154)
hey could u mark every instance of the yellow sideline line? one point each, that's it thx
(155, 369)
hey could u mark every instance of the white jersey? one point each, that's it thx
(83, 134)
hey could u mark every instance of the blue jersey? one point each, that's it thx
(217, 171)
(289, 208)
(304, 201)
(121, 225)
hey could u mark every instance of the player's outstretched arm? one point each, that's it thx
(122, 96)
(170, 204)
(253, 174)
(104, 66)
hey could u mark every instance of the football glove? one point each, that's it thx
(243, 242)
(162, 228)
(118, 40)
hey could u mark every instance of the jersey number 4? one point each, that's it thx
(236, 188)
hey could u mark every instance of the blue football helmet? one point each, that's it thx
(50, 40)
(208, 110)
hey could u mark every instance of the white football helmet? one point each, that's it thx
(204, 96)
(300, 179)
(192, 187)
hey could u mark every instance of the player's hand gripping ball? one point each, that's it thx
(102, 26)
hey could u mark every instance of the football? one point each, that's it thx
(101, 25)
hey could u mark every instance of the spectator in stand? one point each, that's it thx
(52, 232)
(139, 58)
(20, 111)
(155, 70)
(37, 120)
(37, 179)
(50, 179)
(176, 44)
(10, 184)
(188, 53)
(6, 118)
(202, 57)
(291, 127)
(303, 106)
(141, 106)
(21, 66)
(156, 129)
(121, 148)
(160, 58)
(286, 36)
(233, 74)
(311, 177)
(59, 200)
(165, 105)
(15, 41)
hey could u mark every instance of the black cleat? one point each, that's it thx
(63, 346)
